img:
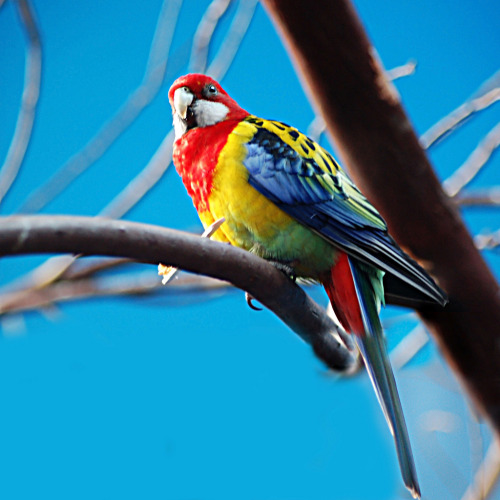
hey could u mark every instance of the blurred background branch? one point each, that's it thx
(29, 101)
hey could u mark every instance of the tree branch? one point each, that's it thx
(376, 140)
(487, 95)
(146, 284)
(469, 170)
(204, 34)
(480, 197)
(235, 35)
(31, 93)
(150, 244)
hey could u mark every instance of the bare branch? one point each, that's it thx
(84, 281)
(474, 163)
(158, 57)
(489, 241)
(143, 283)
(402, 71)
(145, 243)
(481, 197)
(204, 34)
(409, 347)
(241, 22)
(123, 118)
(485, 97)
(31, 93)
(143, 182)
(83, 270)
(486, 476)
(318, 126)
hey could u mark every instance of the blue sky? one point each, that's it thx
(202, 398)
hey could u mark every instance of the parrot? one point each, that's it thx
(286, 199)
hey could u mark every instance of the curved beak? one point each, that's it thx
(183, 98)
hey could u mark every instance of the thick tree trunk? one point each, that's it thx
(377, 142)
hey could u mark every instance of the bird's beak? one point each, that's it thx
(183, 98)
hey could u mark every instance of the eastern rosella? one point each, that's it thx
(287, 200)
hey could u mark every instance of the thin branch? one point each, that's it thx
(486, 476)
(474, 163)
(402, 71)
(239, 26)
(158, 56)
(140, 185)
(318, 126)
(204, 34)
(438, 457)
(122, 119)
(481, 197)
(145, 243)
(488, 94)
(27, 112)
(409, 347)
(143, 283)
(89, 269)
(489, 241)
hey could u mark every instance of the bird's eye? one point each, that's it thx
(210, 90)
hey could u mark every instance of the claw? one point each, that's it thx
(250, 300)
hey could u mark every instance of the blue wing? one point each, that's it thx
(304, 180)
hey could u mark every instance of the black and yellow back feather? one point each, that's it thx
(305, 181)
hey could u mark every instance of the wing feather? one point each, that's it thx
(304, 180)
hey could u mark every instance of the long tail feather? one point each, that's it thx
(354, 291)
(374, 352)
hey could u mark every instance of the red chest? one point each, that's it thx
(196, 155)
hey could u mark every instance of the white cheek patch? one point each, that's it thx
(209, 113)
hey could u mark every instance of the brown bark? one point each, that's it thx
(378, 144)
(99, 236)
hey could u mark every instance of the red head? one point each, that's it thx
(199, 101)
